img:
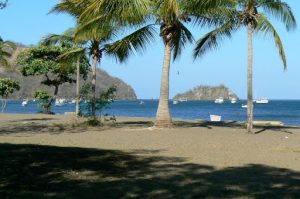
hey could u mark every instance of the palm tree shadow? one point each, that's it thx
(208, 124)
(34, 171)
(276, 129)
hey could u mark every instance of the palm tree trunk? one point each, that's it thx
(77, 86)
(249, 80)
(94, 71)
(163, 117)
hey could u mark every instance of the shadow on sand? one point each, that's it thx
(36, 126)
(34, 171)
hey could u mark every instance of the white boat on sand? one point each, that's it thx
(215, 118)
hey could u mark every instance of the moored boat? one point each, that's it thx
(25, 102)
(182, 99)
(262, 101)
(60, 102)
(233, 100)
(219, 100)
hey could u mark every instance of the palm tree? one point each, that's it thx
(171, 16)
(6, 51)
(100, 37)
(251, 14)
(76, 55)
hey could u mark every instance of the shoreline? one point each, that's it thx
(260, 123)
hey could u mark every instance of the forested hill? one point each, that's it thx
(30, 84)
(207, 93)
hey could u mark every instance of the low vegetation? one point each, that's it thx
(7, 86)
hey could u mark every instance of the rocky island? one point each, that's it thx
(207, 93)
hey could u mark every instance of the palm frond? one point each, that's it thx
(137, 41)
(72, 55)
(280, 10)
(72, 7)
(54, 39)
(120, 11)
(211, 40)
(96, 29)
(210, 13)
(180, 38)
(265, 27)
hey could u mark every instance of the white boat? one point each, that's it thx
(244, 106)
(233, 100)
(219, 100)
(25, 102)
(175, 102)
(142, 102)
(60, 102)
(72, 101)
(215, 118)
(182, 99)
(262, 101)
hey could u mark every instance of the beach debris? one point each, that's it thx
(215, 118)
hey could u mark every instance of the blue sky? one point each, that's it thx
(27, 21)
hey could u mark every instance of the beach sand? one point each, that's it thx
(266, 164)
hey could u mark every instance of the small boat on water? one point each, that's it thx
(219, 100)
(233, 100)
(175, 102)
(262, 101)
(182, 99)
(73, 101)
(60, 102)
(142, 102)
(244, 106)
(25, 102)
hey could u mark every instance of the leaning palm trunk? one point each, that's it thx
(94, 72)
(250, 76)
(163, 118)
(77, 86)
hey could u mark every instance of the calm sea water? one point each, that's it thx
(287, 111)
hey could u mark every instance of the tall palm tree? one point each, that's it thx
(6, 51)
(76, 55)
(251, 14)
(171, 16)
(101, 37)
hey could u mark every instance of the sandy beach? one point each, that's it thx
(186, 153)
